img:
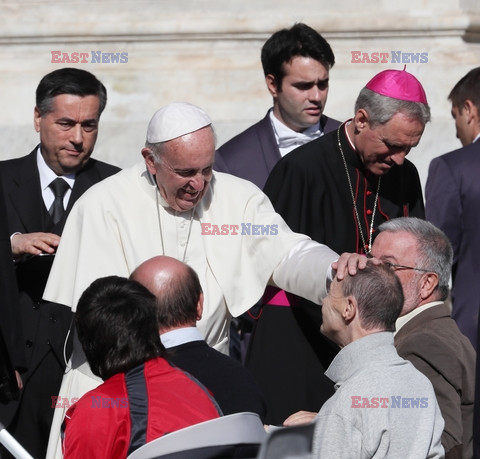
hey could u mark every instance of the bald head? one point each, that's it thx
(157, 272)
(177, 289)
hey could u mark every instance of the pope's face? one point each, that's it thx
(385, 146)
(68, 132)
(184, 168)
(300, 100)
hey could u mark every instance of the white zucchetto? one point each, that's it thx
(175, 120)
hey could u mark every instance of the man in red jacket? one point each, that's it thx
(143, 396)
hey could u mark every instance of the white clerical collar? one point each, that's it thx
(348, 135)
(402, 320)
(476, 138)
(288, 139)
(180, 336)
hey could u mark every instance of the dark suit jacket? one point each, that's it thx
(11, 338)
(437, 348)
(253, 153)
(452, 202)
(231, 384)
(44, 324)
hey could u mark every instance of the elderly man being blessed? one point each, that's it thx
(170, 204)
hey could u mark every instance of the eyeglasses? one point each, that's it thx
(396, 267)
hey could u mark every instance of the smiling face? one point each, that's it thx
(301, 98)
(68, 132)
(400, 248)
(386, 145)
(183, 169)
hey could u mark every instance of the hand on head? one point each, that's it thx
(350, 263)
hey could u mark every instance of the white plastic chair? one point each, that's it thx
(288, 443)
(225, 435)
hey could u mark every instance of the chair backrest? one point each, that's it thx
(288, 443)
(205, 440)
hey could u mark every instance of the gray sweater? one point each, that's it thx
(383, 406)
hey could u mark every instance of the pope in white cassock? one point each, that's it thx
(161, 206)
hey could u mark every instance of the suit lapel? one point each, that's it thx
(270, 149)
(26, 196)
(84, 179)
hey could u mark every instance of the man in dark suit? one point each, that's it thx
(179, 306)
(296, 63)
(12, 356)
(421, 256)
(452, 202)
(40, 189)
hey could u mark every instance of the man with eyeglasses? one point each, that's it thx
(382, 406)
(421, 256)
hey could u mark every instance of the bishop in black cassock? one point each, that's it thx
(311, 190)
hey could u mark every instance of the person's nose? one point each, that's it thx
(315, 94)
(76, 134)
(399, 158)
(198, 181)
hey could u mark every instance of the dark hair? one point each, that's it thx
(467, 88)
(285, 44)
(435, 253)
(116, 325)
(69, 81)
(379, 295)
(177, 303)
(381, 108)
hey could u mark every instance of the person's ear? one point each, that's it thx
(428, 284)
(200, 307)
(361, 120)
(36, 119)
(147, 154)
(471, 111)
(272, 85)
(350, 309)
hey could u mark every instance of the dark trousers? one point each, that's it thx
(288, 357)
(32, 421)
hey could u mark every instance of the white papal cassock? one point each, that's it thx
(122, 221)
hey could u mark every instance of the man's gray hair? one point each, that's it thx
(379, 294)
(434, 249)
(381, 109)
(156, 149)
